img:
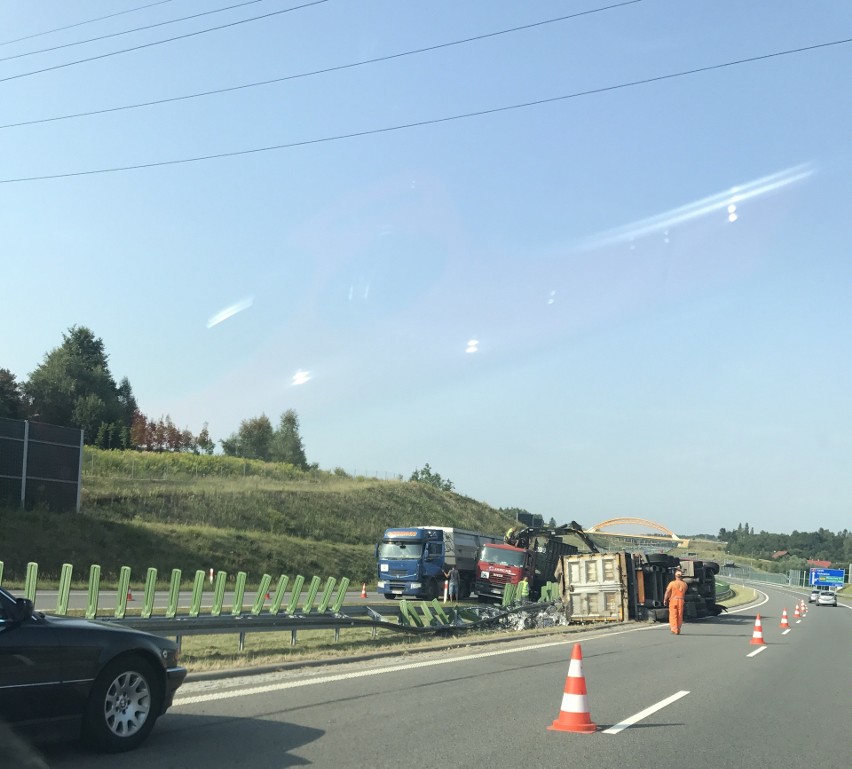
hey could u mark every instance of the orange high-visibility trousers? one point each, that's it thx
(676, 614)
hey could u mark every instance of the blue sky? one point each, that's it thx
(638, 352)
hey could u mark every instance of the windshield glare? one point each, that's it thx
(502, 557)
(399, 550)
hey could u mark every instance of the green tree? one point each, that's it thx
(430, 478)
(253, 440)
(203, 443)
(12, 404)
(287, 443)
(73, 387)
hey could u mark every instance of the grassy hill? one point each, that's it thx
(181, 511)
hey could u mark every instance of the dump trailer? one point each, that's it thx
(531, 555)
(622, 586)
(412, 561)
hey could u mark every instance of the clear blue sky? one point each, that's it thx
(638, 353)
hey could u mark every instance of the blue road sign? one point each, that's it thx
(830, 577)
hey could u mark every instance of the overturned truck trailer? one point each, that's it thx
(619, 586)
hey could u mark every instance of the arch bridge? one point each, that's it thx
(669, 534)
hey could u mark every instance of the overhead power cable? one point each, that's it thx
(162, 42)
(315, 72)
(129, 31)
(432, 121)
(82, 23)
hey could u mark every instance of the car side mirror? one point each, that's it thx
(23, 610)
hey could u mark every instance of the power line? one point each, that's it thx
(81, 23)
(433, 121)
(323, 71)
(161, 42)
(129, 31)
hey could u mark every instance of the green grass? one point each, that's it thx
(181, 511)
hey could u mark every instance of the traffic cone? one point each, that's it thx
(757, 635)
(129, 594)
(574, 714)
(796, 612)
(784, 624)
(363, 590)
(268, 597)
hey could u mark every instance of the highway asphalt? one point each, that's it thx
(715, 700)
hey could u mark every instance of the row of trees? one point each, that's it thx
(73, 387)
(821, 545)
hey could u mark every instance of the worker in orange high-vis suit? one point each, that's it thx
(674, 598)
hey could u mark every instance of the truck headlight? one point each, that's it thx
(380, 584)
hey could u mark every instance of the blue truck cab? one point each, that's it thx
(412, 561)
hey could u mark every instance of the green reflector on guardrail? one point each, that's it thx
(341, 596)
(326, 595)
(296, 595)
(64, 589)
(219, 593)
(239, 594)
(1, 572)
(312, 594)
(508, 594)
(150, 592)
(278, 598)
(262, 592)
(440, 613)
(197, 593)
(30, 585)
(174, 594)
(123, 590)
(94, 587)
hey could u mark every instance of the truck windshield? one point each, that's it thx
(502, 557)
(397, 550)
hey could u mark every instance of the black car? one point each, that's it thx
(109, 682)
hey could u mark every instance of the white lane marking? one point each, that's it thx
(798, 621)
(264, 689)
(756, 652)
(786, 631)
(251, 691)
(622, 725)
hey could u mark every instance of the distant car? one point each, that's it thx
(827, 598)
(108, 681)
(814, 595)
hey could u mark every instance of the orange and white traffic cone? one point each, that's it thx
(784, 624)
(363, 590)
(804, 608)
(129, 594)
(757, 635)
(574, 714)
(796, 612)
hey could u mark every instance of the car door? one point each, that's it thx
(30, 670)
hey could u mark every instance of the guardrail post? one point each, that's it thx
(239, 593)
(94, 587)
(296, 595)
(312, 594)
(341, 596)
(150, 592)
(197, 590)
(326, 595)
(31, 584)
(174, 594)
(121, 596)
(262, 592)
(64, 589)
(218, 593)
(278, 598)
